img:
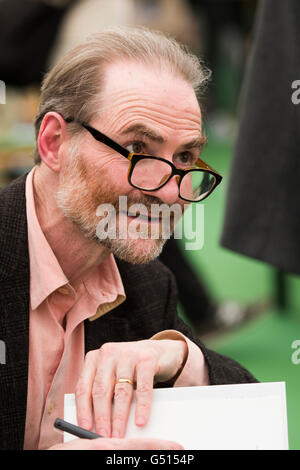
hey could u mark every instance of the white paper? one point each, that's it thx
(242, 416)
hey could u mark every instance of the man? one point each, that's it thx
(66, 290)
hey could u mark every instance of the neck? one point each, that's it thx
(76, 254)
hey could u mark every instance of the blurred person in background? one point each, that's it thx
(261, 219)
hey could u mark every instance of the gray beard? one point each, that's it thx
(126, 250)
(123, 249)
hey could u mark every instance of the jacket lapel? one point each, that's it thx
(14, 313)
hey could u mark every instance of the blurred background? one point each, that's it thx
(261, 303)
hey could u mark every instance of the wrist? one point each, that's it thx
(175, 352)
(182, 358)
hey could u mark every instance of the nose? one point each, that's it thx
(169, 193)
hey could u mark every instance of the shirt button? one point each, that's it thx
(63, 290)
(51, 408)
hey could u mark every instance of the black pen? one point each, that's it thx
(74, 430)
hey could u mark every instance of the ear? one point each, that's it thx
(51, 136)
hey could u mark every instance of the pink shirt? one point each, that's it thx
(56, 331)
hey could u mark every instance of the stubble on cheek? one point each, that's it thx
(81, 190)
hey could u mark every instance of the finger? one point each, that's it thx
(123, 395)
(79, 444)
(102, 395)
(83, 391)
(118, 444)
(144, 391)
(144, 444)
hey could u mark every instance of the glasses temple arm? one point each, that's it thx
(102, 138)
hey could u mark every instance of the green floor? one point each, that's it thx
(264, 346)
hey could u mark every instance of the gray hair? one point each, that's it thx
(73, 87)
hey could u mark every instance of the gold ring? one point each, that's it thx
(124, 380)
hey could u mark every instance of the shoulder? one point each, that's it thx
(13, 194)
(13, 228)
(12, 208)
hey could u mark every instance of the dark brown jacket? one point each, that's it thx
(150, 307)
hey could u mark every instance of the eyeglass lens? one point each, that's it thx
(150, 174)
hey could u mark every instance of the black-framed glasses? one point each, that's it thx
(150, 173)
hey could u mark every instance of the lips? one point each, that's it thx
(142, 217)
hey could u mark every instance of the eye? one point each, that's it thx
(136, 147)
(185, 159)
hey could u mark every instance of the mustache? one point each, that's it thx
(143, 199)
(147, 201)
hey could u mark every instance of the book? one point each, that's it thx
(220, 417)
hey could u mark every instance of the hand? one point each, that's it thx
(118, 444)
(144, 362)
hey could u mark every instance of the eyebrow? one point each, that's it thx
(198, 142)
(141, 129)
(144, 131)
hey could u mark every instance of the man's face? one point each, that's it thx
(148, 111)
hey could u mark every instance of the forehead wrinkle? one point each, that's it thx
(127, 117)
(124, 102)
(155, 113)
(127, 109)
(130, 91)
(151, 86)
